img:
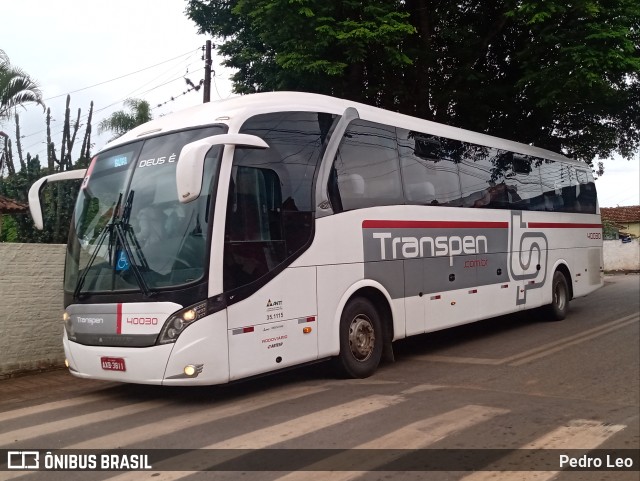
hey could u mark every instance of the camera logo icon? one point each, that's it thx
(23, 459)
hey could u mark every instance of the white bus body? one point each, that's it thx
(292, 227)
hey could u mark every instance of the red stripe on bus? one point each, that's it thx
(562, 225)
(119, 318)
(419, 224)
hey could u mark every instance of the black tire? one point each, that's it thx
(560, 297)
(361, 339)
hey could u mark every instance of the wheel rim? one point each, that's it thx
(362, 337)
(559, 296)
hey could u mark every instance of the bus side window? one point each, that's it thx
(588, 198)
(253, 234)
(479, 188)
(586, 193)
(367, 171)
(555, 176)
(269, 208)
(428, 177)
(523, 183)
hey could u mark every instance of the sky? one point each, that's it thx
(108, 51)
(69, 45)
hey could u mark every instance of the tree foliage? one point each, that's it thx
(57, 202)
(57, 199)
(120, 122)
(563, 76)
(16, 88)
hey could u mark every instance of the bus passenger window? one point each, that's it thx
(269, 208)
(477, 175)
(428, 176)
(586, 193)
(367, 173)
(555, 176)
(522, 177)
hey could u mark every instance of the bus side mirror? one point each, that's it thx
(191, 161)
(34, 192)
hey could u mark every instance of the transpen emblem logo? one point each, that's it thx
(528, 258)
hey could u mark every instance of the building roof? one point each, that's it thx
(10, 206)
(624, 215)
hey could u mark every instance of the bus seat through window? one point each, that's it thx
(420, 193)
(352, 190)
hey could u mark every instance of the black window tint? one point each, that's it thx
(269, 209)
(255, 198)
(519, 178)
(498, 179)
(570, 192)
(428, 176)
(366, 169)
(586, 198)
(558, 189)
(476, 170)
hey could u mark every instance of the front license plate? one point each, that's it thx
(113, 364)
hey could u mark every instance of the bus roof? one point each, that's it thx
(236, 110)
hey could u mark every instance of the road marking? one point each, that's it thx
(428, 431)
(172, 424)
(458, 359)
(19, 435)
(308, 423)
(578, 434)
(422, 388)
(551, 350)
(272, 435)
(43, 408)
(417, 435)
(536, 352)
(361, 382)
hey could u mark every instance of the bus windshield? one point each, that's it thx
(129, 230)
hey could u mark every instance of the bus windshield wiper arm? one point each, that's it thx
(115, 226)
(107, 228)
(122, 238)
(123, 228)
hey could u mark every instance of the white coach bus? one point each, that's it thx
(261, 232)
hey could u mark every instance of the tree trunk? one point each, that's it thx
(19, 142)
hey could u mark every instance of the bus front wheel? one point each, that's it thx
(361, 339)
(559, 297)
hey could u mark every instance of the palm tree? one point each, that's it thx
(121, 122)
(16, 88)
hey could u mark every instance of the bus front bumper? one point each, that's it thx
(198, 357)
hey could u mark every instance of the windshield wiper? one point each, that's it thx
(121, 228)
(107, 228)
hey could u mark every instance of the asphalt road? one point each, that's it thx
(507, 394)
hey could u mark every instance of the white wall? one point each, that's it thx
(621, 257)
(31, 307)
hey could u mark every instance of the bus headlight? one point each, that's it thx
(68, 325)
(179, 321)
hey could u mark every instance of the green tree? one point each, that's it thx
(16, 88)
(564, 76)
(609, 230)
(58, 198)
(57, 206)
(121, 121)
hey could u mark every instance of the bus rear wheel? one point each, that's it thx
(361, 339)
(559, 297)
